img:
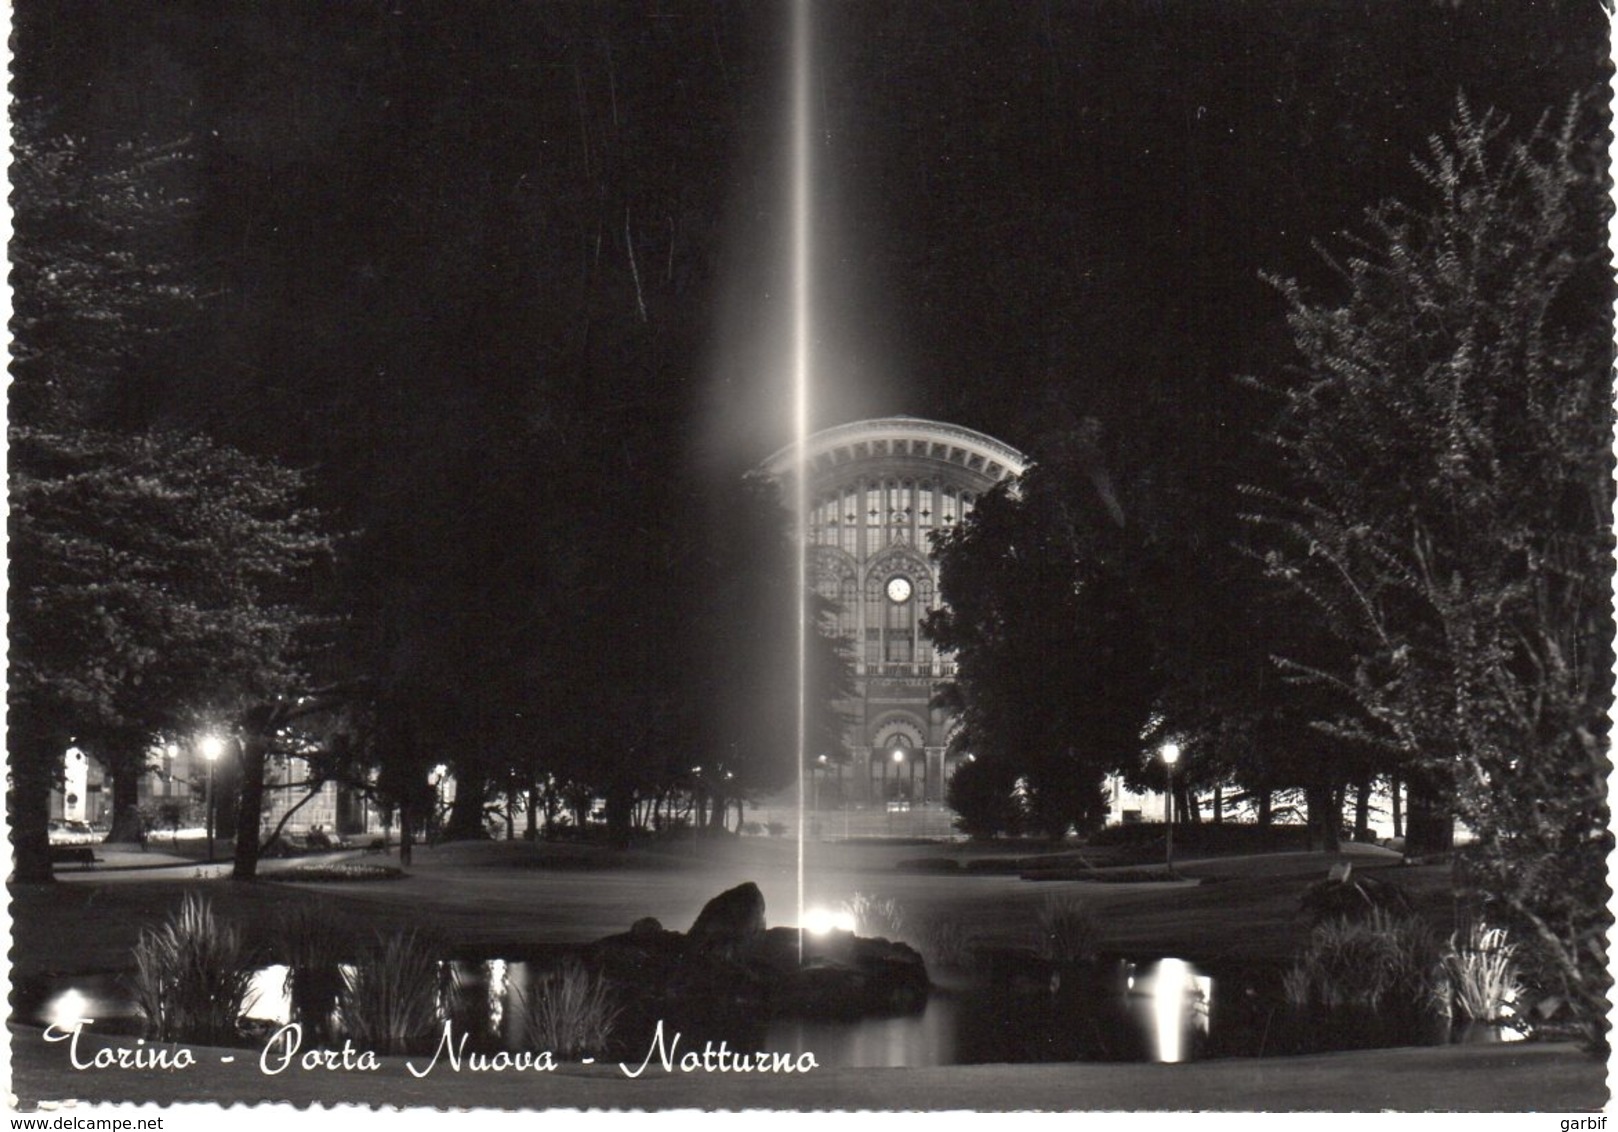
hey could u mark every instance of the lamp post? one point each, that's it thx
(1171, 755)
(212, 747)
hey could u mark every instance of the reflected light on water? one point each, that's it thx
(910, 1041)
(268, 996)
(498, 986)
(68, 1009)
(1179, 1006)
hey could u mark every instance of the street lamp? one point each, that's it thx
(1171, 755)
(211, 747)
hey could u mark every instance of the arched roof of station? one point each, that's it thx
(907, 438)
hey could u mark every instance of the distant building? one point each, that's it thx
(176, 785)
(879, 491)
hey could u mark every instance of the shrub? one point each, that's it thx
(191, 975)
(569, 1012)
(1204, 837)
(1353, 896)
(390, 1001)
(1482, 972)
(876, 917)
(1068, 932)
(982, 794)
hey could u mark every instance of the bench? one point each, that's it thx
(82, 854)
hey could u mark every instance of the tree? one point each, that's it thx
(156, 580)
(1447, 431)
(1056, 661)
(154, 574)
(97, 282)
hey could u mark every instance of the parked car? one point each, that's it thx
(65, 832)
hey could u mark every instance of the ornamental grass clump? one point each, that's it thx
(1377, 981)
(948, 946)
(390, 1000)
(308, 940)
(569, 1012)
(192, 974)
(1068, 932)
(1483, 973)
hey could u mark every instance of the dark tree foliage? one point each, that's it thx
(983, 794)
(100, 270)
(1056, 663)
(157, 578)
(743, 696)
(155, 583)
(1448, 433)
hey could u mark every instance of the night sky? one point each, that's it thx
(429, 229)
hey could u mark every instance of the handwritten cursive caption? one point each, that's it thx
(284, 1051)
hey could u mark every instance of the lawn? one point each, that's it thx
(507, 897)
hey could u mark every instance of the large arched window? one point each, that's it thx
(898, 593)
(835, 580)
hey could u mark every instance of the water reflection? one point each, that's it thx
(1172, 1002)
(1112, 1009)
(102, 998)
(269, 995)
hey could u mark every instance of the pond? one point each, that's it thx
(1117, 1008)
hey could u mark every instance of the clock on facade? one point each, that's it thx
(899, 590)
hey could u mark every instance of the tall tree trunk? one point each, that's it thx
(1266, 813)
(1324, 817)
(1186, 810)
(1429, 826)
(253, 746)
(533, 812)
(466, 812)
(1395, 788)
(126, 773)
(1362, 808)
(620, 811)
(718, 809)
(29, 803)
(1219, 805)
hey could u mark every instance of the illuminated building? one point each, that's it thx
(879, 491)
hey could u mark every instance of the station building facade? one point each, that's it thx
(879, 491)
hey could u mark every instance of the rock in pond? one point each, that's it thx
(730, 919)
(730, 961)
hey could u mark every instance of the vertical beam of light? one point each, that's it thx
(800, 390)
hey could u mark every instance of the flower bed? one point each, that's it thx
(347, 871)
